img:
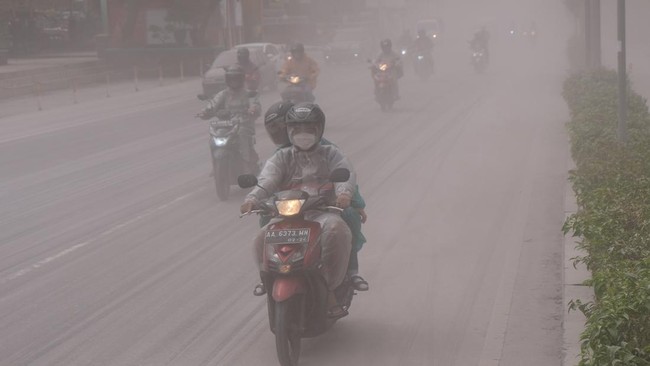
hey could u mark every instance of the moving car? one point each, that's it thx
(214, 80)
(432, 27)
(348, 44)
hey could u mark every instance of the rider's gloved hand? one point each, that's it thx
(246, 207)
(343, 200)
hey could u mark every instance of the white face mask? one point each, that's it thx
(303, 140)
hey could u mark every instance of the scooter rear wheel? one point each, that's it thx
(287, 331)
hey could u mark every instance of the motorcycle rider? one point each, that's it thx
(390, 57)
(302, 65)
(354, 216)
(423, 45)
(237, 100)
(308, 161)
(251, 71)
(480, 41)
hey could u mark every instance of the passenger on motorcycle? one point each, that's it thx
(307, 161)
(354, 216)
(251, 71)
(391, 58)
(302, 65)
(237, 100)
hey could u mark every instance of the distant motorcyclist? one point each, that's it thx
(480, 41)
(237, 100)
(302, 65)
(423, 43)
(422, 46)
(307, 161)
(388, 56)
(251, 71)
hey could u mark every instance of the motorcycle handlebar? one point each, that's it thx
(340, 210)
(252, 212)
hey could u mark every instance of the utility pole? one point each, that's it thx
(592, 34)
(622, 75)
(104, 12)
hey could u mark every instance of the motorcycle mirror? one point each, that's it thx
(339, 175)
(247, 181)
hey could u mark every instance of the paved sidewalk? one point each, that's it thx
(573, 289)
(107, 88)
(46, 61)
(107, 91)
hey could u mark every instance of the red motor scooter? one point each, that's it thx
(293, 270)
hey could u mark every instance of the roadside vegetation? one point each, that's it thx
(612, 186)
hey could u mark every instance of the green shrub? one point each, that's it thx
(612, 186)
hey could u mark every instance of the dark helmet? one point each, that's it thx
(276, 124)
(243, 55)
(235, 77)
(305, 116)
(297, 50)
(386, 45)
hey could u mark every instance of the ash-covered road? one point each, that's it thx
(114, 249)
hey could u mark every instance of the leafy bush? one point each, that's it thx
(612, 185)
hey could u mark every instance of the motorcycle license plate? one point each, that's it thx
(287, 236)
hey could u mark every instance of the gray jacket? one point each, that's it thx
(235, 102)
(291, 166)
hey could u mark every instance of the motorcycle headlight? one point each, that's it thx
(403, 52)
(420, 57)
(294, 79)
(383, 67)
(220, 141)
(289, 207)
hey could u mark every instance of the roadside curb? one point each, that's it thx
(573, 289)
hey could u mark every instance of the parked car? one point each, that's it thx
(348, 44)
(214, 80)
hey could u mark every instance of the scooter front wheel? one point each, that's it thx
(221, 178)
(287, 331)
